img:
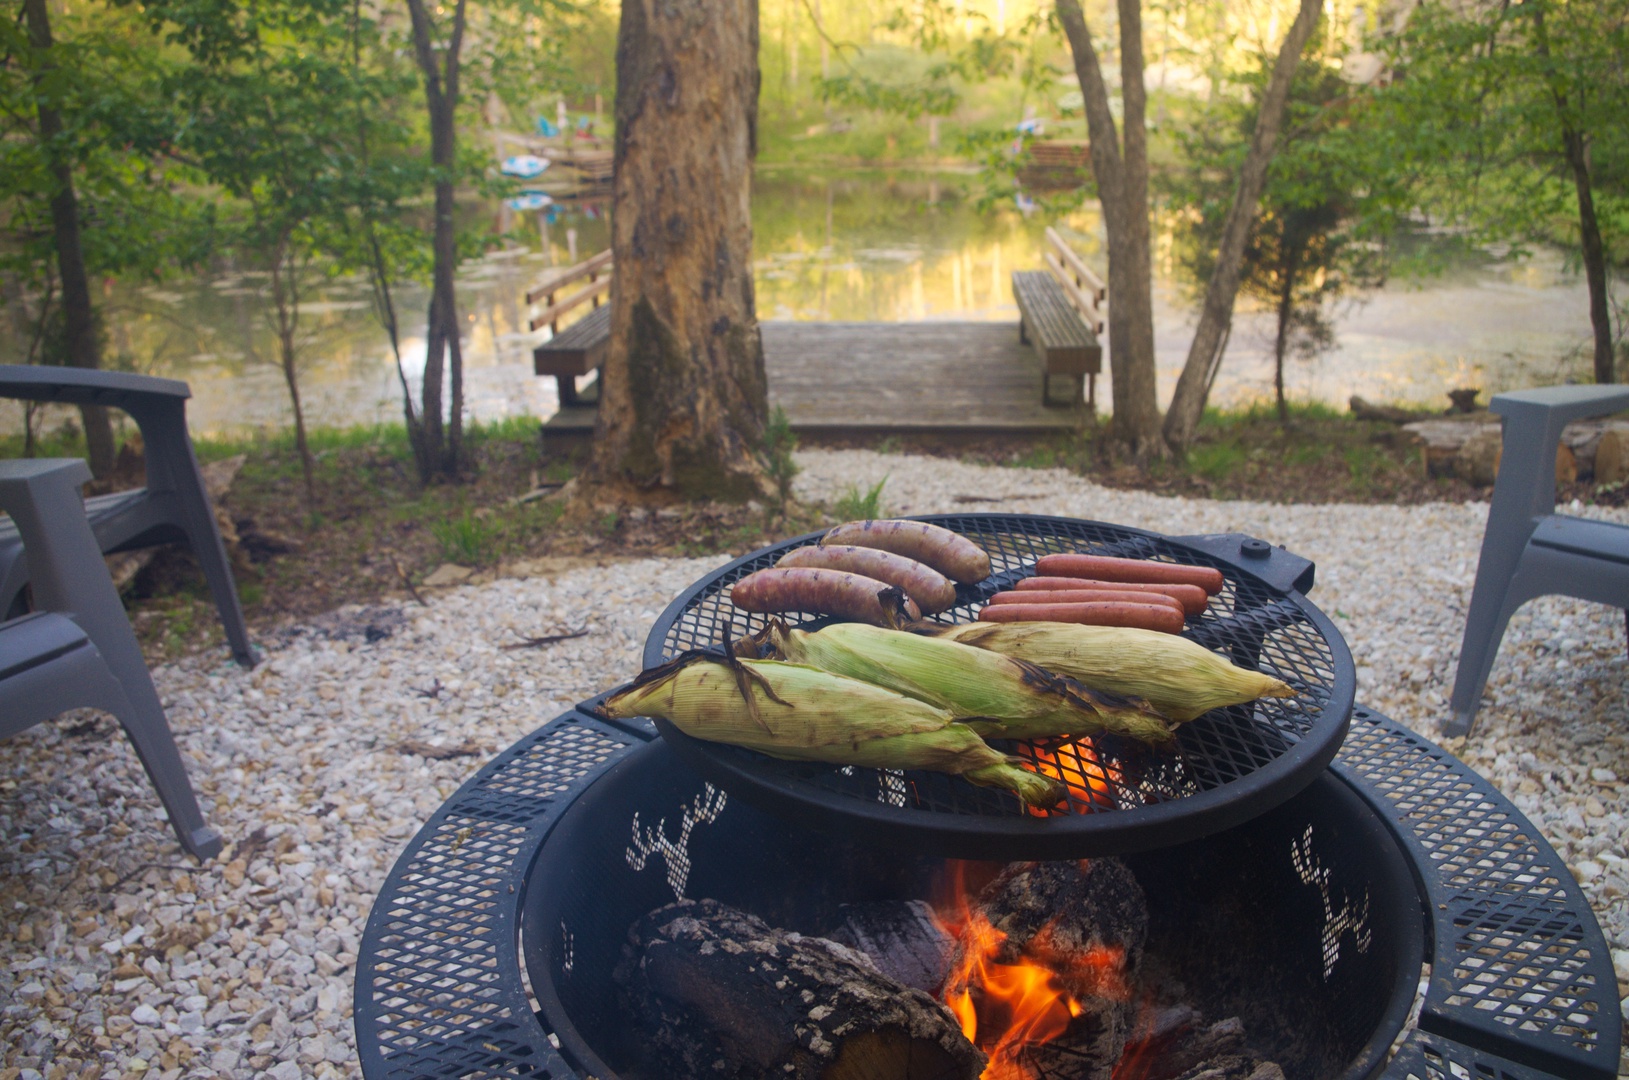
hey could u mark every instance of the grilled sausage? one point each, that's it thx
(1192, 598)
(823, 592)
(1105, 568)
(954, 556)
(932, 591)
(1141, 616)
(1086, 596)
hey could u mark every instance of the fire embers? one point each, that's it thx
(1043, 975)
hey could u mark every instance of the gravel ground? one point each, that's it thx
(119, 958)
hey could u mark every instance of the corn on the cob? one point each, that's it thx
(997, 696)
(1179, 678)
(804, 714)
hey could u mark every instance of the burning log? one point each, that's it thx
(1044, 975)
(722, 995)
(903, 939)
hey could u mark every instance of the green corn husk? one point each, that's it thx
(1179, 678)
(803, 714)
(998, 696)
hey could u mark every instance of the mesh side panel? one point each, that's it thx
(439, 992)
(1427, 1057)
(1249, 622)
(1520, 961)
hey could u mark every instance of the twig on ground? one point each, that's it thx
(146, 866)
(547, 639)
(467, 748)
(433, 693)
(412, 590)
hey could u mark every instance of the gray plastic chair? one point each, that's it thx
(79, 650)
(1529, 550)
(173, 506)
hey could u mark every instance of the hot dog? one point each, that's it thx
(1105, 568)
(1141, 616)
(1087, 596)
(1191, 597)
(932, 591)
(823, 592)
(953, 555)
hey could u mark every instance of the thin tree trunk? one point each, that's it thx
(1589, 231)
(1122, 187)
(442, 444)
(685, 398)
(78, 317)
(1286, 308)
(1575, 146)
(286, 301)
(1188, 401)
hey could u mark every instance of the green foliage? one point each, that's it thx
(779, 444)
(1323, 215)
(1215, 461)
(464, 539)
(854, 506)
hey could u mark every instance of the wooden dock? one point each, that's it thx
(843, 380)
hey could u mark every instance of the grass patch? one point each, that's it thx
(1216, 461)
(465, 539)
(853, 506)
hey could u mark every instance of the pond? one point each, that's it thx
(841, 245)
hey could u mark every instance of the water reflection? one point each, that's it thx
(833, 245)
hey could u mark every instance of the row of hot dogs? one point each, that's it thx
(886, 572)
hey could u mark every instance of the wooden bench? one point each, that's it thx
(1049, 323)
(580, 348)
(577, 350)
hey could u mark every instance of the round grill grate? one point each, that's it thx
(1225, 767)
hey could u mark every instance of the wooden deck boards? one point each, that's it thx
(950, 378)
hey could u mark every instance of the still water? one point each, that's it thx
(838, 245)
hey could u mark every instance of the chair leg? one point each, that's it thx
(1484, 630)
(205, 540)
(145, 725)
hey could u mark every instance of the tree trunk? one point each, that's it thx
(1122, 187)
(286, 303)
(441, 444)
(1193, 385)
(1589, 230)
(1286, 308)
(685, 399)
(78, 318)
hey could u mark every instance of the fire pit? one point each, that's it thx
(491, 948)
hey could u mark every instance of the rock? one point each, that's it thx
(1612, 457)
(1477, 461)
(447, 575)
(146, 1016)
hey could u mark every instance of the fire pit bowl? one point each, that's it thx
(1305, 923)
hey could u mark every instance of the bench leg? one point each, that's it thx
(567, 385)
(1091, 396)
(1023, 337)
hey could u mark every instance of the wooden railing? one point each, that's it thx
(1083, 287)
(591, 269)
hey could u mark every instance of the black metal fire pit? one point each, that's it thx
(1226, 767)
(1521, 983)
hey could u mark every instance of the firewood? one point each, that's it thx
(721, 994)
(1088, 922)
(903, 939)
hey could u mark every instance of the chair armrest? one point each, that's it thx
(86, 386)
(1563, 404)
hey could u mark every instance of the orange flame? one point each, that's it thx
(1081, 771)
(1002, 1007)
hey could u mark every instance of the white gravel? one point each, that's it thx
(119, 958)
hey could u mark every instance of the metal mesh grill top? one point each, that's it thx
(1242, 749)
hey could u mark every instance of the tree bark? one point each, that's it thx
(1193, 385)
(285, 280)
(441, 444)
(685, 399)
(1589, 230)
(1122, 187)
(1286, 308)
(78, 317)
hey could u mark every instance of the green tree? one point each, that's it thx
(1325, 208)
(83, 191)
(1514, 112)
